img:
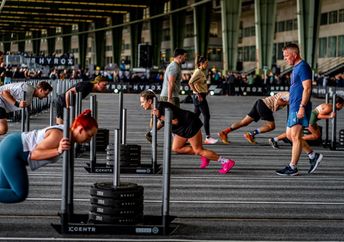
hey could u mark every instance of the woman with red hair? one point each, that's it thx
(37, 148)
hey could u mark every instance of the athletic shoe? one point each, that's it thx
(273, 143)
(227, 166)
(315, 162)
(286, 140)
(288, 171)
(204, 162)
(223, 137)
(210, 141)
(250, 138)
(149, 136)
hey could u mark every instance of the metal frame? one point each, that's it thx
(71, 223)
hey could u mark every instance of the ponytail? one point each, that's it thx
(85, 120)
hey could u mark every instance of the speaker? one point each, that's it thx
(145, 56)
(239, 66)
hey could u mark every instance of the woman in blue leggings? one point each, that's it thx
(36, 148)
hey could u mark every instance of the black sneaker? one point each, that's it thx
(273, 143)
(315, 162)
(288, 171)
(149, 136)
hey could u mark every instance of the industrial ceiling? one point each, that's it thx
(20, 16)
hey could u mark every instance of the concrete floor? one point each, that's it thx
(250, 203)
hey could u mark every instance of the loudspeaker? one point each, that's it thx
(145, 56)
(239, 66)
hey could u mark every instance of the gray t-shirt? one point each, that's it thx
(31, 139)
(17, 92)
(173, 69)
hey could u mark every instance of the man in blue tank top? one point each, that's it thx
(299, 110)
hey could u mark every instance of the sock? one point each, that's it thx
(292, 166)
(207, 136)
(222, 160)
(255, 132)
(227, 130)
(311, 155)
(275, 139)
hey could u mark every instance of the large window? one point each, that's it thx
(332, 46)
(341, 15)
(332, 17)
(281, 26)
(341, 45)
(189, 30)
(280, 51)
(289, 25)
(322, 47)
(324, 19)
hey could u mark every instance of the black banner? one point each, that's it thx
(52, 61)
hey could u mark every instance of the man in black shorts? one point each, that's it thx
(12, 98)
(98, 85)
(262, 109)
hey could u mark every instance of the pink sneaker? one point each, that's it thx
(204, 162)
(226, 167)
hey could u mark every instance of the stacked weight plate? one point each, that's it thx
(102, 139)
(120, 205)
(341, 138)
(130, 155)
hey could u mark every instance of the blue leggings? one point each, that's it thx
(14, 182)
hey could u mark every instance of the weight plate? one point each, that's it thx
(122, 212)
(109, 219)
(109, 186)
(108, 191)
(116, 203)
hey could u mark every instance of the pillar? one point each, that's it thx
(135, 35)
(82, 44)
(265, 17)
(230, 17)
(117, 35)
(156, 7)
(308, 16)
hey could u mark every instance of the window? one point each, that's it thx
(249, 31)
(341, 45)
(146, 13)
(295, 24)
(274, 59)
(341, 15)
(322, 47)
(167, 7)
(289, 25)
(332, 46)
(240, 54)
(280, 51)
(324, 19)
(252, 53)
(281, 26)
(332, 17)
(214, 29)
(166, 34)
(189, 30)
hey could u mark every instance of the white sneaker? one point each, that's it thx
(210, 141)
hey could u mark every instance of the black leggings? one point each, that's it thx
(202, 107)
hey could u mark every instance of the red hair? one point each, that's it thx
(85, 120)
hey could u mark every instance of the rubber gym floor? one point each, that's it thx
(250, 203)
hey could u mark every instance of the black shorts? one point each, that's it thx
(3, 114)
(261, 111)
(59, 107)
(188, 130)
